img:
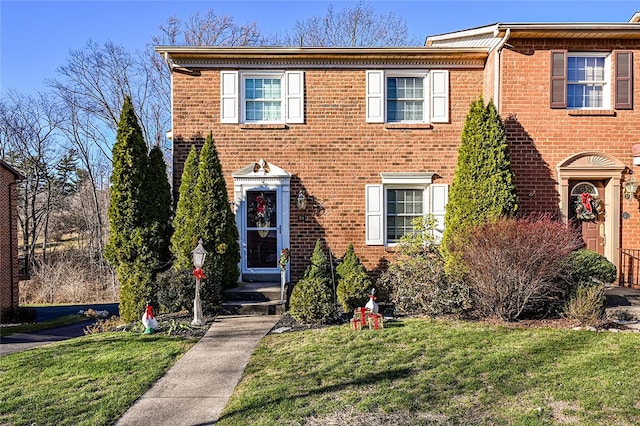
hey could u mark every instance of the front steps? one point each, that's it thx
(255, 298)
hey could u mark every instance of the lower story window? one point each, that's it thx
(403, 206)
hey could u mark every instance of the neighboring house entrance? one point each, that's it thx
(587, 209)
(262, 193)
(597, 175)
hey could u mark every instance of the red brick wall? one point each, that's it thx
(8, 261)
(332, 156)
(541, 137)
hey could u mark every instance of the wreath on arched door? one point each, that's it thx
(588, 207)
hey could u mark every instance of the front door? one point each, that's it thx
(587, 207)
(262, 231)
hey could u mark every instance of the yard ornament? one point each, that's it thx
(148, 320)
(371, 305)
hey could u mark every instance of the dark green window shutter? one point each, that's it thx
(558, 79)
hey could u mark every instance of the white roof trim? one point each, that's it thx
(261, 169)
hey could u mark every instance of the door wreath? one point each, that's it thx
(588, 207)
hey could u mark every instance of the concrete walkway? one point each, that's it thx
(196, 389)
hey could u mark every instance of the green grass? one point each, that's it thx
(436, 372)
(34, 326)
(91, 380)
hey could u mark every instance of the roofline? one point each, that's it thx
(498, 29)
(310, 51)
(17, 174)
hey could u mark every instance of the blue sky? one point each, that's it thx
(36, 36)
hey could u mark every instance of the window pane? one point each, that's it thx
(403, 206)
(263, 99)
(405, 99)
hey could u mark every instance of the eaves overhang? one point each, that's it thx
(321, 57)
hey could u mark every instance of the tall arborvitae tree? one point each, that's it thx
(185, 235)
(159, 207)
(482, 187)
(215, 220)
(127, 249)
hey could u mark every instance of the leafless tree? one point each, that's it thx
(356, 26)
(29, 126)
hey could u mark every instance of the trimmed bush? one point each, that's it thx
(319, 265)
(514, 265)
(311, 302)
(586, 266)
(353, 290)
(354, 284)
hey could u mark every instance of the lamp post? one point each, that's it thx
(199, 254)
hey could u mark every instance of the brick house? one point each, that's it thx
(8, 239)
(350, 144)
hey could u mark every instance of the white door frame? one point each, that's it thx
(267, 177)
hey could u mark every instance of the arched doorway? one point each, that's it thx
(598, 175)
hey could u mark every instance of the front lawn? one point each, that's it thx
(91, 380)
(440, 372)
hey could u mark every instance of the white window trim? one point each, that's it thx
(436, 95)
(376, 204)
(278, 75)
(424, 75)
(606, 83)
(233, 101)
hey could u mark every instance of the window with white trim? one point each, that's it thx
(591, 80)
(262, 97)
(392, 206)
(588, 81)
(407, 96)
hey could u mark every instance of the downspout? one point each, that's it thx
(496, 68)
(11, 254)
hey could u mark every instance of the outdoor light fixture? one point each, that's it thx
(199, 254)
(301, 201)
(630, 188)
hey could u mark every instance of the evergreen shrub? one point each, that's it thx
(354, 284)
(177, 289)
(311, 302)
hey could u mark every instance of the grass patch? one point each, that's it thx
(440, 372)
(34, 326)
(91, 380)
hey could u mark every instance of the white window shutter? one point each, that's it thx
(375, 215)
(229, 89)
(294, 96)
(438, 198)
(375, 96)
(439, 96)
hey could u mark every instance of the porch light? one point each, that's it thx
(301, 201)
(630, 188)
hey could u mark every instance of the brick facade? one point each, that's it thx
(8, 239)
(335, 153)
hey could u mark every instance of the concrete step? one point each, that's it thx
(252, 308)
(254, 292)
(254, 298)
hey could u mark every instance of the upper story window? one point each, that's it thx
(588, 81)
(269, 97)
(584, 80)
(405, 99)
(408, 96)
(262, 99)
